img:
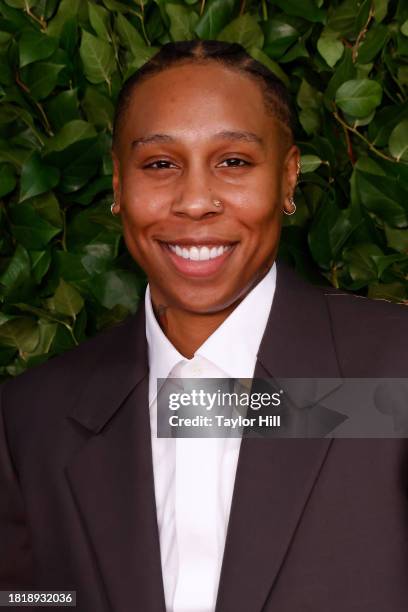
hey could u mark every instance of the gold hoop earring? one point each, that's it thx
(291, 201)
(112, 207)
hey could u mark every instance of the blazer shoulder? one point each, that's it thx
(64, 375)
(370, 334)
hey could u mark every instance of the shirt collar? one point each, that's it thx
(233, 347)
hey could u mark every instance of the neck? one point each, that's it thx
(187, 331)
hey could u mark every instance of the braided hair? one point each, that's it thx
(231, 55)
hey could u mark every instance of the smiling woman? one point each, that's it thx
(92, 498)
(181, 143)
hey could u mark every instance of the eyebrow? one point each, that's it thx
(237, 136)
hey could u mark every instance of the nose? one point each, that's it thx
(195, 197)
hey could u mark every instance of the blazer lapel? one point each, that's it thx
(112, 475)
(275, 477)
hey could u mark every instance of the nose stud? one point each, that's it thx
(217, 203)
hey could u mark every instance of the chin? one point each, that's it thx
(203, 302)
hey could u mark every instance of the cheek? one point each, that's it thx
(141, 205)
(259, 201)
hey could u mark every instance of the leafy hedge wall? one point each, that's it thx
(64, 271)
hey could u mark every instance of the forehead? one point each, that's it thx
(197, 99)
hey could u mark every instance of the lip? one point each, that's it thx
(197, 241)
(197, 269)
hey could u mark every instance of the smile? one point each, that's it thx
(199, 253)
(198, 260)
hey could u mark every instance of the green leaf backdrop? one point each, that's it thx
(64, 271)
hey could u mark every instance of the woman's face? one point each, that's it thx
(191, 135)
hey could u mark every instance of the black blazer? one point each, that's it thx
(316, 525)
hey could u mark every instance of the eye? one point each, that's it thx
(235, 162)
(160, 164)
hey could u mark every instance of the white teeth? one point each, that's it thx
(203, 253)
(194, 254)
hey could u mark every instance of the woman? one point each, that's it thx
(92, 500)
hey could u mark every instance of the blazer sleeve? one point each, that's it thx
(16, 564)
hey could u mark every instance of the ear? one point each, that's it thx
(116, 183)
(291, 169)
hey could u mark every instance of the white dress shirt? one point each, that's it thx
(194, 477)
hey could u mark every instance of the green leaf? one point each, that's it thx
(21, 4)
(404, 28)
(17, 272)
(380, 9)
(116, 287)
(37, 177)
(215, 17)
(347, 222)
(279, 36)
(383, 197)
(78, 172)
(67, 9)
(142, 57)
(329, 47)
(66, 300)
(269, 63)
(398, 142)
(379, 130)
(7, 179)
(40, 263)
(17, 21)
(62, 108)
(359, 97)
(374, 42)
(308, 96)
(129, 36)
(309, 163)
(397, 239)
(99, 185)
(319, 233)
(393, 292)
(360, 262)
(47, 207)
(47, 331)
(21, 333)
(72, 132)
(98, 257)
(402, 75)
(69, 37)
(29, 228)
(344, 18)
(183, 20)
(384, 262)
(98, 58)
(310, 120)
(244, 30)
(114, 5)
(41, 78)
(34, 46)
(98, 108)
(307, 9)
(99, 18)
(345, 70)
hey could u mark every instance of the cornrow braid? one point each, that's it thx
(232, 55)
